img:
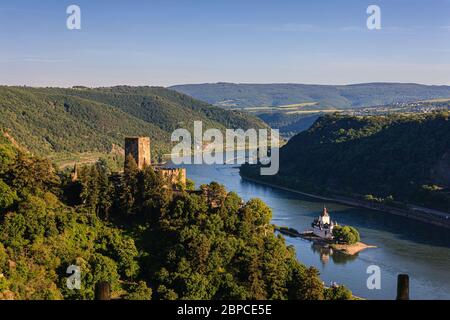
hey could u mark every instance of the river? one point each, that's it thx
(403, 245)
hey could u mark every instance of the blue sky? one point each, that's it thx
(194, 41)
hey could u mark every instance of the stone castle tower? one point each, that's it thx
(139, 148)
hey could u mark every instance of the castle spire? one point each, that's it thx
(325, 212)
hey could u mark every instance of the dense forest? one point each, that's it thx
(326, 96)
(403, 158)
(149, 241)
(50, 121)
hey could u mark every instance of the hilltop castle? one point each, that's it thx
(139, 149)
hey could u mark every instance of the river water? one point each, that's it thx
(403, 245)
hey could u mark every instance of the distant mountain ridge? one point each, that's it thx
(327, 96)
(55, 120)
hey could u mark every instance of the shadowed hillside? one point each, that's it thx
(397, 157)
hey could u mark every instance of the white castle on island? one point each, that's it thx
(323, 226)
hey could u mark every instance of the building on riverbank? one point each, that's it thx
(323, 226)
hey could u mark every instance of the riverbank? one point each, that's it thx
(402, 245)
(416, 214)
(349, 249)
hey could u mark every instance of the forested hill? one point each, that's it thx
(55, 120)
(326, 96)
(145, 240)
(401, 157)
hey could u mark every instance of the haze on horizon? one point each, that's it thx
(255, 41)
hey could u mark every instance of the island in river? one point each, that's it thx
(394, 164)
(349, 249)
(403, 245)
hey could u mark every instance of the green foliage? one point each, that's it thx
(154, 193)
(128, 185)
(104, 268)
(139, 291)
(385, 157)
(96, 188)
(64, 121)
(306, 284)
(7, 153)
(338, 293)
(214, 246)
(144, 192)
(190, 184)
(144, 239)
(346, 235)
(7, 196)
(40, 237)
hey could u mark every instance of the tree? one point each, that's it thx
(346, 235)
(337, 293)
(30, 175)
(105, 191)
(214, 193)
(256, 216)
(190, 184)
(128, 188)
(199, 245)
(90, 194)
(12, 231)
(139, 291)
(306, 284)
(121, 249)
(104, 269)
(7, 196)
(154, 194)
